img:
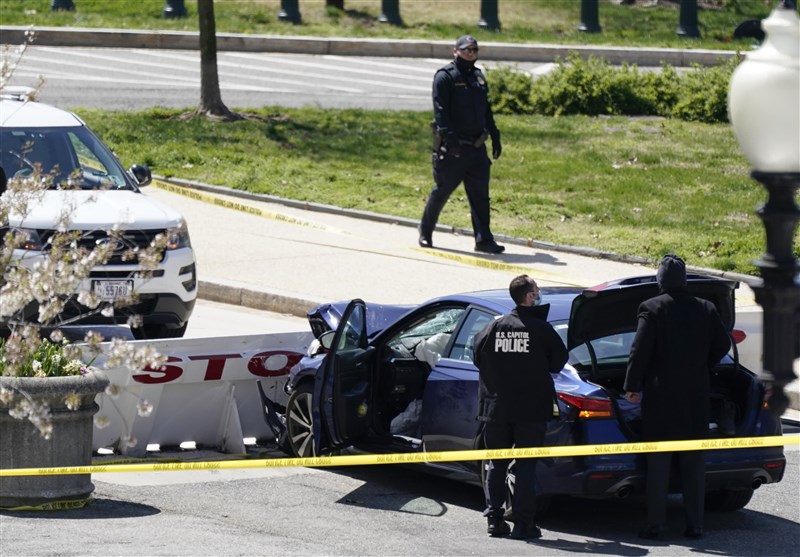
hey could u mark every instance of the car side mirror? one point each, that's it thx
(142, 174)
(326, 339)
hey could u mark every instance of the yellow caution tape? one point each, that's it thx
(411, 458)
(198, 195)
(52, 505)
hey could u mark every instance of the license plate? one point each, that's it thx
(109, 290)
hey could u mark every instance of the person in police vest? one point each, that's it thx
(679, 338)
(463, 121)
(516, 355)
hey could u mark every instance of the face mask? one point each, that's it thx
(537, 301)
(464, 65)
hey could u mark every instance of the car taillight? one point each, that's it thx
(738, 336)
(588, 407)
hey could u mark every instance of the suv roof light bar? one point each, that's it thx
(18, 93)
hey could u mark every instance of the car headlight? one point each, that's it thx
(28, 238)
(178, 237)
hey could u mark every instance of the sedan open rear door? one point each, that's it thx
(343, 384)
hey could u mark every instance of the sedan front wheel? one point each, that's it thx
(299, 422)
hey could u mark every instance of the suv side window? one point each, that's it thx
(476, 320)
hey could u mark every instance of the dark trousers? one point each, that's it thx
(472, 168)
(505, 436)
(693, 480)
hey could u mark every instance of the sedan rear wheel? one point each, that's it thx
(727, 500)
(299, 422)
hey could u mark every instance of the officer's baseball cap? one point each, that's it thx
(466, 40)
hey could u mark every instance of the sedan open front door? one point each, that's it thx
(343, 384)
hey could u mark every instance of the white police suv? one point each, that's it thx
(102, 196)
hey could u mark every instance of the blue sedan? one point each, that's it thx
(398, 379)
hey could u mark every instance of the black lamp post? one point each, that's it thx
(390, 12)
(687, 19)
(589, 17)
(66, 5)
(489, 19)
(174, 9)
(290, 11)
(764, 107)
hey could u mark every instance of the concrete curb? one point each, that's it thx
(340, 46)
(240, 294)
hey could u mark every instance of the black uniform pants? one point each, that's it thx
(693, 481)
(505, 436)
(472, 168)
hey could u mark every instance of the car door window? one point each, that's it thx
(97, 171)
(427, 336)
(475, 321)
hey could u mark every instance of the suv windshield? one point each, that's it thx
(74, 157)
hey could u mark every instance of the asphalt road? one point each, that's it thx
(135, 79)
(368, 511)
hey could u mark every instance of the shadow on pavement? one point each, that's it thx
(98, 508)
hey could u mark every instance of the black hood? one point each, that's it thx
(671, 273)
(611, 308)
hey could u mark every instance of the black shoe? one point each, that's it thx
(497, 527)
(651, 532)
(694, 533)
(489, 247)
(425, 240)
(525, 531)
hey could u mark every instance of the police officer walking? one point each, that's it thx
(516, 355)
(679, 338)
(463, 121)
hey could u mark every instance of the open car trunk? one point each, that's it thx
(735, 398)
(603, 324)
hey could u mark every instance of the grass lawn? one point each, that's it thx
(637, 186)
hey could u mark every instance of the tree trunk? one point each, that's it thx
(211, 104)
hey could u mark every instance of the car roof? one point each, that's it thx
(16, 111)
(612, 307)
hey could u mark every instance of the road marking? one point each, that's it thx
(502, 266)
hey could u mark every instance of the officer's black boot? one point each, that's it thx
(497, 526)
(525, 530)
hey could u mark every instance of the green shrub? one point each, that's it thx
(594, 87)
(510, 91)
(703, 93)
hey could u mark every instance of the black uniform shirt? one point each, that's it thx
(515, 355)
(461, 103)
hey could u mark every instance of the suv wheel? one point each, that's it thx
(156, 331)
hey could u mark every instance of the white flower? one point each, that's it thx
(73, 401)
(144, 408)
(101, 422)
(113, 390)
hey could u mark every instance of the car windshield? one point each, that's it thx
(74, 157)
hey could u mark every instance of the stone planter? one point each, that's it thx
(70, 444)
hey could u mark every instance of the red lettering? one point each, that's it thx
(215, 364)
(273, 363)
(167, 373)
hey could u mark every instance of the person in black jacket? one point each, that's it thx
(463, 120)
(515, 355)
(679, 338)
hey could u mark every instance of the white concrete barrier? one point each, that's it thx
(206, 393)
